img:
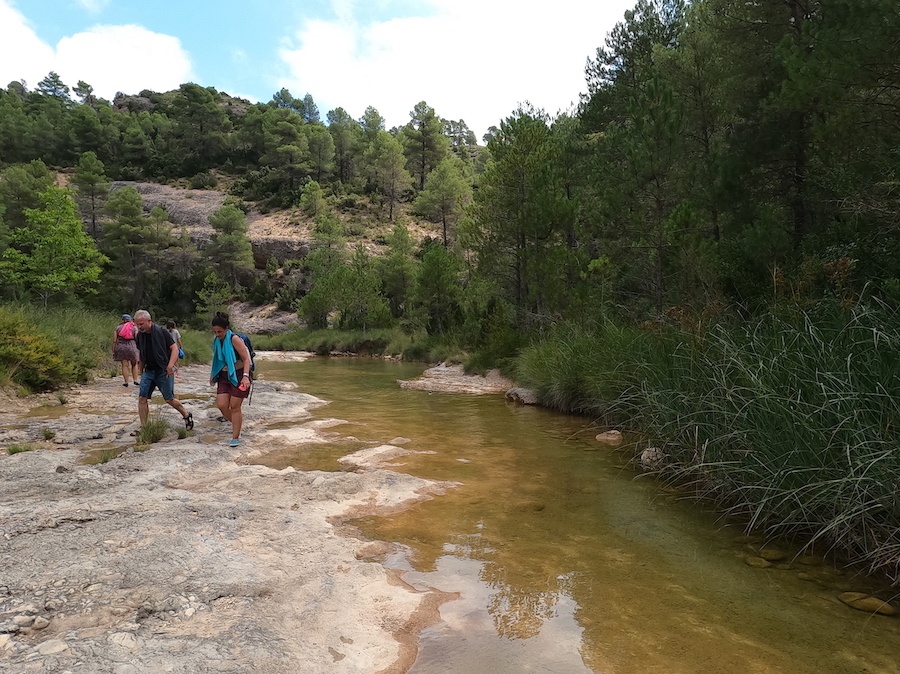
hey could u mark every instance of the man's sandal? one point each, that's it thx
(189, 422)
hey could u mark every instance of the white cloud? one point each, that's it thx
(123, 58)
(109, 58)
(94, 6)
(468, 59)
(23, 56)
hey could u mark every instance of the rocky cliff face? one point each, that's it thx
(269, 236)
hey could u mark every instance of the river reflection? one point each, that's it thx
(565, 562)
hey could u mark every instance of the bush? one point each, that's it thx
(204, 180)
(31, 358)
(19, 448)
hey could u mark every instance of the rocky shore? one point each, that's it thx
(183, 556)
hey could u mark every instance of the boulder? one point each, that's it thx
(261, 320)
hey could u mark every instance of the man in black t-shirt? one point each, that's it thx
(159, 354)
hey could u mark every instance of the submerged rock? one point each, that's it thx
(757, 562)
(613, 438)
(866, 602)
(772, 554)
(523, 396)
(652, 458)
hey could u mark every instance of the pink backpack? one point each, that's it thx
(126, 330)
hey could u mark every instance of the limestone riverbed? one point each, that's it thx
(183, 555)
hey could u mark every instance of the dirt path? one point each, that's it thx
(184, 557)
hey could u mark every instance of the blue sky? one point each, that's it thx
(475, 60)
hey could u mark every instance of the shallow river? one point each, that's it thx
(564, 560)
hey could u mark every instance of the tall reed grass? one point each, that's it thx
(789, 422)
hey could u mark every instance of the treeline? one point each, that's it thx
(726, 155)
(274, 147)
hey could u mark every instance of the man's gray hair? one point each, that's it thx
(142, 313)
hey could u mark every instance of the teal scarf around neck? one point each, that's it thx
(224, 355)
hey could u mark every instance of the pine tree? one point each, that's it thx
(93, 187)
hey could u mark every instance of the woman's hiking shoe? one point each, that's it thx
(234, 443)
(222, 419)
(189, 422)
(125, 384)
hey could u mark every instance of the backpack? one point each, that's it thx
(126, 330)
(250, 349)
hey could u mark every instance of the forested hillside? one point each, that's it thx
(725, 155)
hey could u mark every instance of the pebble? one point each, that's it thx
(40, 623)
(23, 620)
(5, 642)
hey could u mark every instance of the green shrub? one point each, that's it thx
(204, 180)
(32, 358)
(48, 433)
(19, 448)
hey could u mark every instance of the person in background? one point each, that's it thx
(125, 350)
(176, 335)
(230, 374)
(159, 353)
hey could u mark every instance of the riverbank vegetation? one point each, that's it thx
(705, 247)
(48, 348)
(788, 421)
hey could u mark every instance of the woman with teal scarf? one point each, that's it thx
(230, 373)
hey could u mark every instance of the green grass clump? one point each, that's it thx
(19, 448)
(153, 430)
(107, 455)
(48, 433)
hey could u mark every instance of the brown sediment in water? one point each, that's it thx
(427, 614)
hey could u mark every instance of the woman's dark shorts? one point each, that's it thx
(226, 387)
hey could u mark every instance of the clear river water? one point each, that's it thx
(562, 559)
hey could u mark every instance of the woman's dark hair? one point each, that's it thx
(220, 320)
(170, 325)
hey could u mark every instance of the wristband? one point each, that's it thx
(246, 374)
